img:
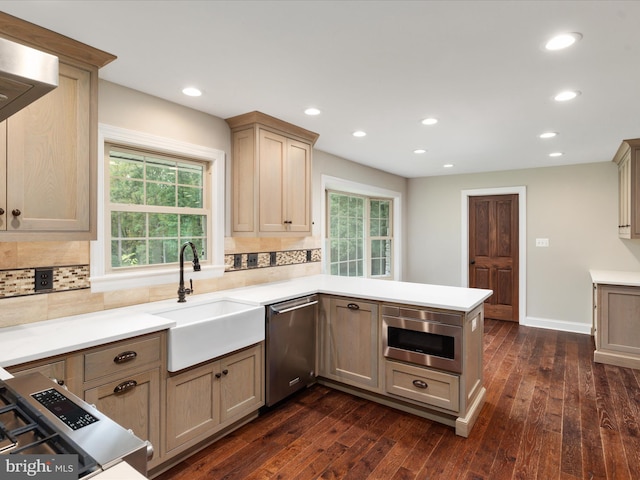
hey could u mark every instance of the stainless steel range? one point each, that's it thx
(38, 416)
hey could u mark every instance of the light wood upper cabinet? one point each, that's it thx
(628, 158)
(271, 176)
(48, 150)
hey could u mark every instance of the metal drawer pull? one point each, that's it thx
(353, 306)
(420, 384)
(124, 386)
(125, 357)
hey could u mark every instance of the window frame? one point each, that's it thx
(330, 183)
(101, 278)
(146, 208)
(367, 238)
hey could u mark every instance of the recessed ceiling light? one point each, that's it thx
(359, 133)
(192, 91)
(430, 121)
(562, 41)
(566, 95)
(556, 154)
(548, 135)
(419, 150)
(448, 165)
(312, 111)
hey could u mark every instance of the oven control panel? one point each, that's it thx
(68, 412)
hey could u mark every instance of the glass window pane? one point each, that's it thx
(192, 225)
(163, 251)
(126, 165)
(161, 170)
(127, 253)
(128, 224)
(190, 174)
(161, 194)
(189, 197)
(126, 191)
(163, 225)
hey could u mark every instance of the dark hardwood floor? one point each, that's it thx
(550, 413)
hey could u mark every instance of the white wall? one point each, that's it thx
(574, 206)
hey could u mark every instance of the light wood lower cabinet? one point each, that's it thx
(350, 336)
(204, 399)
(617, 325)
(124, 381)
(423, 385)
(134, 402)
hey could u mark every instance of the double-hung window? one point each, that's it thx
(154, 203)
(360, 235)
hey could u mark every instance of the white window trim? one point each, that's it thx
(101, 281)
(347, 186)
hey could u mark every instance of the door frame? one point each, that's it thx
(521, 191)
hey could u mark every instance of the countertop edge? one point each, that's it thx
(108, 326)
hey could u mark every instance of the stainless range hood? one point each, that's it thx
(26, 74)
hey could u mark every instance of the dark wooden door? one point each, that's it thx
(493, 253)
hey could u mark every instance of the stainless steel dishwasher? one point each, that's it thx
(291, 347)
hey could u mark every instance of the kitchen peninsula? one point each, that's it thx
(351, 309)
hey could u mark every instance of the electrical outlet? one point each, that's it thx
(542, 242)
(43, 279)
(237, 261)
(273, 259)
(308, 255)
(252, 260)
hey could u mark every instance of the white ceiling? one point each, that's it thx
(383, 66)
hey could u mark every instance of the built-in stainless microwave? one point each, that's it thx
(423, 337)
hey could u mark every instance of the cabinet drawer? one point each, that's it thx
(423, 385)
(121, 357)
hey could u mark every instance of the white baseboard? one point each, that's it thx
(560, 325)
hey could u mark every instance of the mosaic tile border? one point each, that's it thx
(234, 262)
(20, 282)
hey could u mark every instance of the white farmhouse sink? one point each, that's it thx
(211, 329)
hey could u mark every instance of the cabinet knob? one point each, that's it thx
(1, 211)
(15, 212)
(218, 375)
(225, 372)
(353, 306)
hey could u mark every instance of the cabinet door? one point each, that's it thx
(297, 187)
(133, 402)
(354, 342)
(272, 154)
(193, 407)
(242, 380)
(48, 159)
(243, 181)
(618, 322)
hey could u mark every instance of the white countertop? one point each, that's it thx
(34, 341)
(611, 277)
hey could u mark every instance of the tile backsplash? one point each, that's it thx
(19, 282)
(67, 290)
